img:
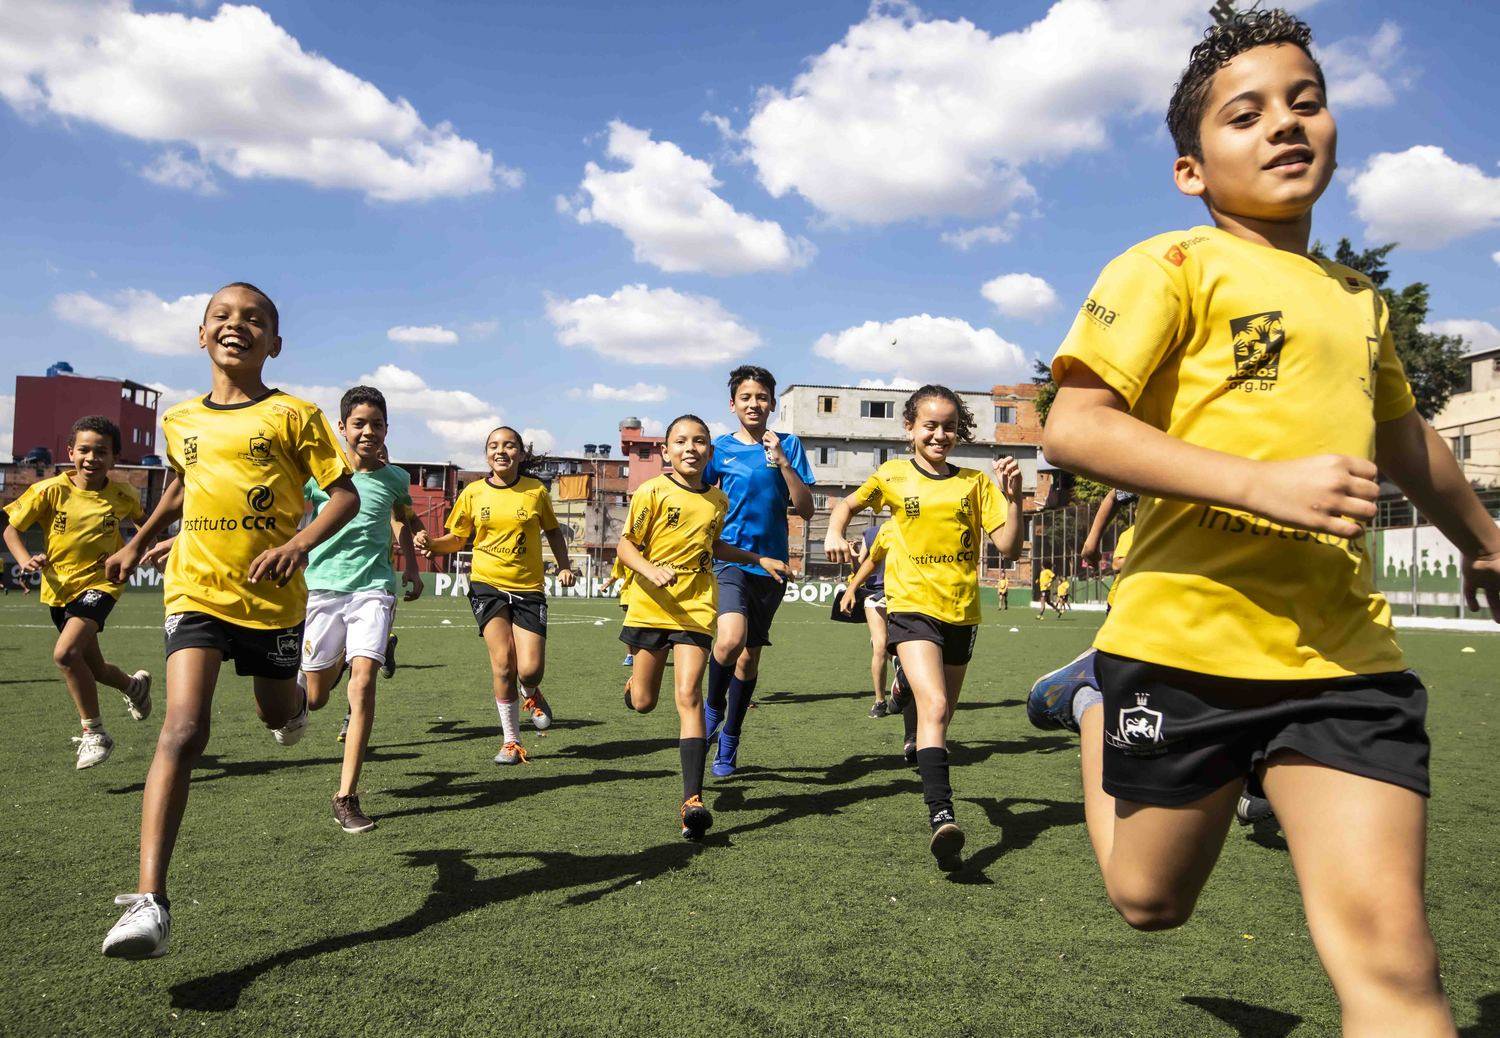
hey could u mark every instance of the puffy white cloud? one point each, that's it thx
(888, 383)
(1480, 335)
(923, 349)
(640, 325)
(987, 234)
(1496, 257)
(1020, 295)
(541, 440)
(640, 393)
(237, 90)
(909, 117)
(1361, 70)
(664, 202)
(430, 334)
(7, 426)
(1424, 199)
(653, 426)
(138, 318)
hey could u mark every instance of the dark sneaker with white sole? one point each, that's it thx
(351, 819)
(947, 842)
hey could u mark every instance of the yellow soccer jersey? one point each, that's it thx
(1253, 351)
(243, 467)
(941, 523)
(1122, 552)
(83, 529)
(1063, 588)
(676, 527)
(507, 523)
(1045, 580)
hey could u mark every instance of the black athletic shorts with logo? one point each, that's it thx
(957, 640)
(753, 596)
(1173, 736)
(257, 652)
(525, 609)
(91, 605)
(660, 638)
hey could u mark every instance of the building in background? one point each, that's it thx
(1470, 421)
(643, 452)
(48, 405)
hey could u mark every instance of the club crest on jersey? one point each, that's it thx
(260, 450)
(521, 514)
(912, 507)
(189, 451)
(1258, 339)
(109, 523)
(60, 522)
(1139, 724)
(674, 516)
(484, 514)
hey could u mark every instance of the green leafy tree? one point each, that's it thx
(1083, 489)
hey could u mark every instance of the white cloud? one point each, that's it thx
(1495, 256)
(138, 318)
(664, 202)
(1020, 295)
(640, 325)
(541, 440)
(987, 234)
(1361, 70)
(924, 348)
(653, 427)
(1423, 199)
(481, 329)
(717, 429)
(7, 425)
(888, 383)
(237, 90)
(433, 334)
(1479, 335)
(908, 117)
(640, 393)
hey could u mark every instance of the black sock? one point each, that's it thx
(719, 676)
(738, 705)
(692, 752)
(932, 765)
(909, 718)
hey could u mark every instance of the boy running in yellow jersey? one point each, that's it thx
(1251, 393)
(941, 514)
(82, 512)
(507, 514)
(234, 588)
(1064, 594)
(1044, 584)
(1002, 588)
(670, 544)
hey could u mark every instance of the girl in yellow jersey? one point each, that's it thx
(669, 547)
(507, 514)
(941, 513)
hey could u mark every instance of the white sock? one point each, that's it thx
(510, 719)
(1085, 699)
(528, 693)
(94, 724)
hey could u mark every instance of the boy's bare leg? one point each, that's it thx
(71, 656)
(320, 684)
(501, 643)
(105, 672)
(1359, 847)
(191, 676)
(876, 620)
(362, 674)
(277, 700)
(646, 669)
(691, 661)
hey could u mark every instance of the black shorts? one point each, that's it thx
(660, 638)
(91, 605)
(1173, 736)
(525, 609)
(753, 596)
(957, 640)
(257, 652)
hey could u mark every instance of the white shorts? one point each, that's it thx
(342, 625)
(875, 601)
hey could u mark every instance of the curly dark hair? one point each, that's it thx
(357, 395)
(931, 391)
(1220, 45)
(96, 423)
(751, 373)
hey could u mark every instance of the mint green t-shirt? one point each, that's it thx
(358, 556)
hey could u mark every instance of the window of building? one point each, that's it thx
(826, 455)
(645, 450)
(1461, 447)
(1005, 414)
(820, 502)
(1467, 384)
(828, 404)
(884, 454)
(877, 409)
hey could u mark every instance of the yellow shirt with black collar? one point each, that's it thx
(1268, 355)
(507, 522)
(83, 529)
(675, 526)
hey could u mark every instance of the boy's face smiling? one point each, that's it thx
(752, 404)
(238, 331)
(92, 455)
(688, 449)
(1268, 139)
(364, 431)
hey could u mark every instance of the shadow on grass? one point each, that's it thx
(1267, 833)
(1019, 829)
(1249, 1021)
(211, 767)
(456, 890)
(617, 750)
(495, 789)
(979, 704)
(26, 681)
(1488, 1024)
(782, 698)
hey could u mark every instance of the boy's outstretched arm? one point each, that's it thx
(1090, 553)
(835, 546)
(405, 521)
(1090, 431)
(1414, 456)
(122, 563)
(281, 564)
(559, 545)
(725, 552)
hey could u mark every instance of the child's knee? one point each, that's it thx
(1150, 909)
(183, 738)
(67, 655)
(531, 677)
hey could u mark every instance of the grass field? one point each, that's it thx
(557, 899)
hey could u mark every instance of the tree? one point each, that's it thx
(1083, 489)
(1435, 364)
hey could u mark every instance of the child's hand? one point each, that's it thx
(846, 601)
(1326, 493)
(774, 454)
(837, 549)
(413, 581)
(35, 563)
(1091, 555)
(566, 577)
(661, 576)
(778, 569)
(1008, 475)
(1483, 574)
(423, 543)
(121, 564)
(157, 554)
(278, 564)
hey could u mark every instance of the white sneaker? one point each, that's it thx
(94, 747)
(143, 930)
(138, 695)
(290, 733)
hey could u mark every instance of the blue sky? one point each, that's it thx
(794, 184)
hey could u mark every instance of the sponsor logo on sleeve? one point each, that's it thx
(1100, 314)
(1177, 254)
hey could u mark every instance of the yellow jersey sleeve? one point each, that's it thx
(34, 505)
(461, 518)
(1129, 323)
(881, 546)
(318, 449)
(1393, 396)
(991, 503)
(642, 511)
(873, 493)
(544, 513)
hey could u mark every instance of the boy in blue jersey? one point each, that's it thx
(763, 474)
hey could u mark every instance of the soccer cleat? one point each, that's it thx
(142, 932)
(896, 699)
(291, 733)
(696, 819)
(947, 842)
(728, 753)
(1252, 809)
(909, 751)
(540, 710)
(512, 753)
(94, 747)
(628, 704)
(880, 709)
(711, 720)
(1050, 703)
(350, 818)
(344, 729)
(627, 661)
(138, 695)
(388, 668)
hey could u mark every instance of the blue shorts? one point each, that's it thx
(753, 596)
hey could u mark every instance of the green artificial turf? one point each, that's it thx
(557, 898)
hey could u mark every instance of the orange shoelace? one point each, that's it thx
(519, 749)
(530, 703)
(690, 803)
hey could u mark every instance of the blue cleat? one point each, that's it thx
(711, 720)
(724, 760)
(1050, 704)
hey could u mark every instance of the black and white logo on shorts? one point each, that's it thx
(288, 649)
(90, 597)
(1140, 726)
(170, 627)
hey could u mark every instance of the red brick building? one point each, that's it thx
(47, 406)
(644, 453)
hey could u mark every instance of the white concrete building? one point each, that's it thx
(1470, 421)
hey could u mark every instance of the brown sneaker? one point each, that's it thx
(351, 819)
